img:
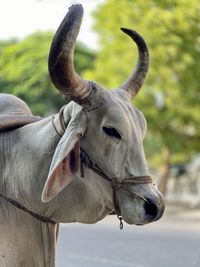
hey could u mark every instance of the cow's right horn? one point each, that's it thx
(133, 84)
(61, 66)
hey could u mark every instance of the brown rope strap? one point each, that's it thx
(61, 121)
(22, 207)
(138, 180)
(116, 183)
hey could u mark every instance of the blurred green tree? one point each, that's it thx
(171, 95)
(24, 71)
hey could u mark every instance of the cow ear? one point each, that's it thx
(64, 165)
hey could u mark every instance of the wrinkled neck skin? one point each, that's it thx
(26, 241)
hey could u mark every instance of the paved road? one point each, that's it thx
(174, 241)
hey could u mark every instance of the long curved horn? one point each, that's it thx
(61, 67)
(136, 79)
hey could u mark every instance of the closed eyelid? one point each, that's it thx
(111, 132)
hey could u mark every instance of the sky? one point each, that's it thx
(19, 18)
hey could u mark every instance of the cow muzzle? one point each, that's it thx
(148, 207)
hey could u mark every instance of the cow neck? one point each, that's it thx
(20, 206)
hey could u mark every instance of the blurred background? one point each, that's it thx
(169, 100)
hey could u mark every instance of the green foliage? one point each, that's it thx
(171, 95)
(24, 73)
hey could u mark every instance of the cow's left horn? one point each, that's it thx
(61, 66)
(136, 79)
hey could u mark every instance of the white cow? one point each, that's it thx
(77, 166)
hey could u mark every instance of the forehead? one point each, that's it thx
(118, 111)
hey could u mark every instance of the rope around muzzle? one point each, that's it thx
(115, 183)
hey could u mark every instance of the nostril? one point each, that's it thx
(151, 208)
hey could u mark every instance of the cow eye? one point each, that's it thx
(112, 132)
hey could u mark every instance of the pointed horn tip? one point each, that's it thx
(76, 8)
(137, 38)
(129, 32)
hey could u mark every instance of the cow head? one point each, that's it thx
(107, 127)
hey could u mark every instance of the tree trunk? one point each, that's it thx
(164, 170)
